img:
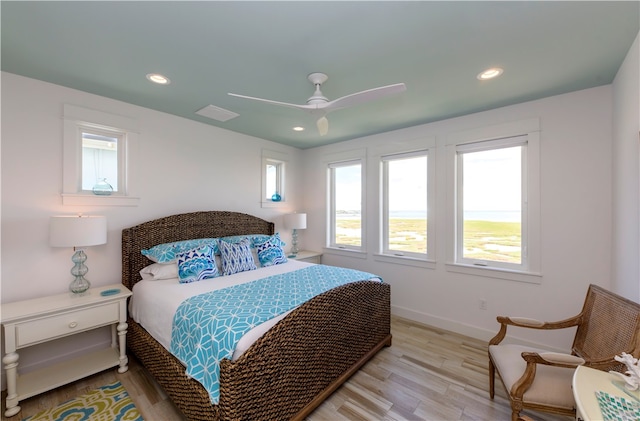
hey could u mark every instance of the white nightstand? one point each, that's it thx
(31, 322)
(308, 256)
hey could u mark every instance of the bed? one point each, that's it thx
(288, 371)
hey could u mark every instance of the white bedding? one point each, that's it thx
(154, 303)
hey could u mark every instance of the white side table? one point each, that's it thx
(586, 381)
(308, 256)
(31, 322)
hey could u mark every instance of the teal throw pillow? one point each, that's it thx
(254, 239)
(168, 252)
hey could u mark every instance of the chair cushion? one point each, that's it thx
(551, 386)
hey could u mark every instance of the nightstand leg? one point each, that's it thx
(11, 368)
(122, 336)
(114, 336)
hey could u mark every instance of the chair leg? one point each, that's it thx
(492, 378)
(516, 407)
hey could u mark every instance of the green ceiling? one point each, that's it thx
(266, 49)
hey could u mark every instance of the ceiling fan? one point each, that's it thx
(318, 105)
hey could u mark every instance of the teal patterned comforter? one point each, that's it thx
(207, 327)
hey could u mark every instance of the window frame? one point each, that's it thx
(528, 129)
(280, 160)
(78, 119)
(489, 145)
(120, 137)
(331, 244)
(384, 207)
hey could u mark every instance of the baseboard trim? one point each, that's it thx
(465, 329)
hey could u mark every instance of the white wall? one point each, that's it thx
(626, 176)
(575, 181)
(184, 166)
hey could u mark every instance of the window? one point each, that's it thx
(345, 205)
(100, 159)
(493, 201)
(274, 174)
(491, 217)
(404, 205)
(273, 178)
(99, 148)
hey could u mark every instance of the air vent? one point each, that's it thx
(216, 113)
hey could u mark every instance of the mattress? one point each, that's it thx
(154, 302)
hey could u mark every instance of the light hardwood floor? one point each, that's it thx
(427, 374)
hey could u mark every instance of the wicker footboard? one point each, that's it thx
(292, 368)
(187, 394)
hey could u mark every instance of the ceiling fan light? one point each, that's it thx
(323, 125)
(490, 73)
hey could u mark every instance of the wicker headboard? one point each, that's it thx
(208, 224)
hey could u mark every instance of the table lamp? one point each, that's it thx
(78, 232)
(295, 221)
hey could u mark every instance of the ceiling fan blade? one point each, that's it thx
(319, 106)
(323, 125)
(304, 107)
(363, 96)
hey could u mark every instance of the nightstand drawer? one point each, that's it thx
(308, 256)
(312, 259)
(65, 324)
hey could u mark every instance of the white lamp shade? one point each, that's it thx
(77, 231)
(295, 221)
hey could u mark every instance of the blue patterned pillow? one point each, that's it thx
(167, 252)
(270, 251)
(236, 257)
(197, 264)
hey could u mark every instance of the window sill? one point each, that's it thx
(489, 272)
(271, 204)
(405, 260)
(345, 252)
(75, 199)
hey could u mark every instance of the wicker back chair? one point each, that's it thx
(540, 380)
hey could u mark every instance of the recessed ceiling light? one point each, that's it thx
(298, 129)
(158, 78)
(490, 73)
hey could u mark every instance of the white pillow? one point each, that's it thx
(219, 263)
(159, 271)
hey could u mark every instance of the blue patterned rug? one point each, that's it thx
(107, 403)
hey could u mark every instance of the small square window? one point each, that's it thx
(273, 176)
(273, 192)
(100, 161)
(99, 152)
